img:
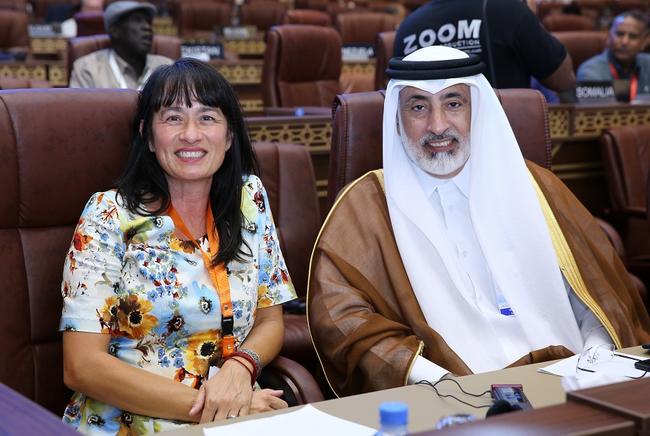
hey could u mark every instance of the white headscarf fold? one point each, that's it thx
(508, 222)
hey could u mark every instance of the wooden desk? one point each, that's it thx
(20, 416)
(426, 408)
(628, 400)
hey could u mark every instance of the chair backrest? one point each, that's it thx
(198, 18)
(383, 52)
(567, 22)
(39, 208)
(163, 45)
(363, 27)
(89, 23)
(288, 176)
(626, 159)
(262, 14)
(13, 29)
(302, 65)
(582, 45)
(357, 133)
(41, 8)
(313, 17)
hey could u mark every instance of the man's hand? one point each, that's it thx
(265, 400)
(227, 394)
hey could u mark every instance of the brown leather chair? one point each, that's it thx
(383, 52)
(582, 45)
(13, 29)
(16, 5)
(39, 209)
(198, 19)
(163, 45)
(357, 132)
(288, 176)
(302, 65)
(626, 159)
(89, 23)
(262, 14)
(40, 8)
(567, 22)
(307, 16)
(363, 27)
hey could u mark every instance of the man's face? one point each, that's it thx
(134, 31)
(435, 128)
(627, 38)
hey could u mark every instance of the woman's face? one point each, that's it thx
(190, 143)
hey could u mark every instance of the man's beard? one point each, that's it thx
(438, 163)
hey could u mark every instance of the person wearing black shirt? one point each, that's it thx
(511, 42)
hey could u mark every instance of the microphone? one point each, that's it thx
(501, 406)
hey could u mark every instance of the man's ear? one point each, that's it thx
(114, 31)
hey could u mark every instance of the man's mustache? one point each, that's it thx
(431, 137)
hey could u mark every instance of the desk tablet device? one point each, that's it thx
(512, 393)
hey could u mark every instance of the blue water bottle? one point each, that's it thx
(393, 418)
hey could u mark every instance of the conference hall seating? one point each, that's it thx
(169, 46)
(302, 65)
(567, 22)
(582, 45)
(87, 133)
(13, 30)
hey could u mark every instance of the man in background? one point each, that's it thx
(127, 63)
(505, 34)
(622, 59)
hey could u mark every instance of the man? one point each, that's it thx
(505, 34)
(622, 59)
(127, 63)
(460, 257)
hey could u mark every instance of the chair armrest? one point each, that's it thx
(299, 385)
(635, 212)
(614, 238)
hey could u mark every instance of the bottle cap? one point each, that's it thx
(393, 413)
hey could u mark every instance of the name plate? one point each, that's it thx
(44, 30)
(239, 32)
(203, 52)
(595, 92)
(357, 52)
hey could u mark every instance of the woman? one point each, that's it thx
(153, 264)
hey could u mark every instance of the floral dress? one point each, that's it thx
(126, 275)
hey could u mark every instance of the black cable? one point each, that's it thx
(433, 386)
(638, 377)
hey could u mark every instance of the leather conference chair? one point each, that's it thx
(582, 45)
(626, 159)
(262, 14)
(567, 22)
(383, 52)
(13, 30)
(41, 8)
(302, 66)
(306, 16)
(89, 23)
(15, 5)
(363, 27)
(39, 209)
(163, 45)
(198, 19)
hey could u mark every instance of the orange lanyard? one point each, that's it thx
(634, 82)
(218, 275)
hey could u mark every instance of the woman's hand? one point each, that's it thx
(228, 393)
(265, 400)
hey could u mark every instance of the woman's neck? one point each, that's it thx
(190, 199)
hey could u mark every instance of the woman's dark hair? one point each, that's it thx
(143, 181)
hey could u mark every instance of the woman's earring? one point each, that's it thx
(152, 148)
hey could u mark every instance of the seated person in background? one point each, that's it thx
(460, 256)
(622, 59)
(177, 270)
(127, 63)
(505, 34)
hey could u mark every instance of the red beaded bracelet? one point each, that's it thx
(250, 360)
(253, 378)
